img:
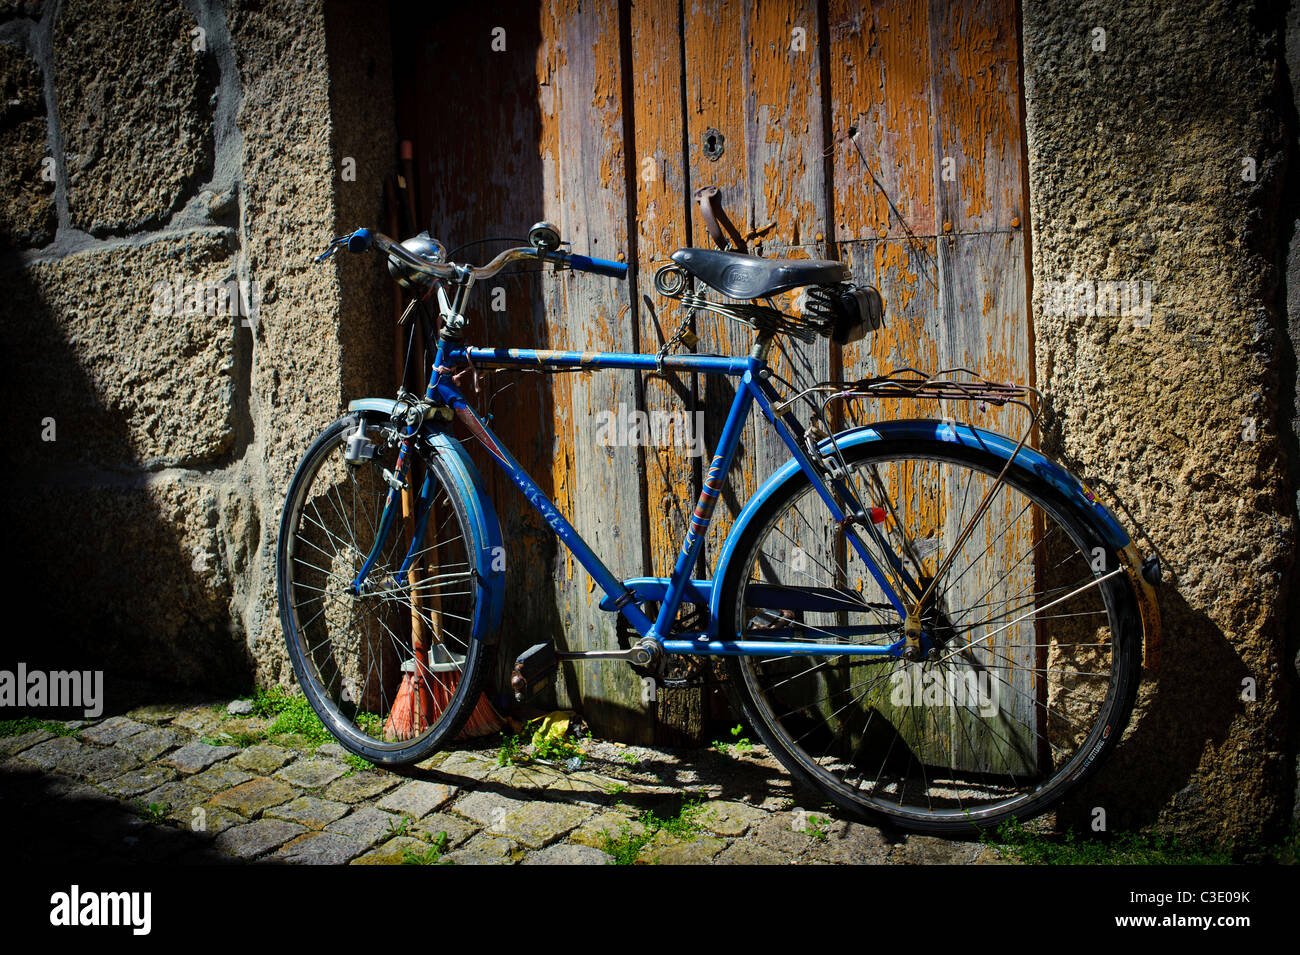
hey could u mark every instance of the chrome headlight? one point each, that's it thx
(422, 246)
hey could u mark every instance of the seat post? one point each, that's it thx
(762, 345)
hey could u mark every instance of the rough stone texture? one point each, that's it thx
(165, 532)
(311, 349)
(666, 849)
(457, 829)
(392, 852)
(318, 848)
(255, 796)
(212, 821)
(418, 798)
(97, 765)
(224, 776)
(484, 849)
(135, 101)
(140, 380)
(366, 826)
(312, 773)
(724, 818)
(16, 744)
(850, 843)
(196, 757)
(612, 824)
(197, 719)
(264, 758)
(151, 743)
(27, 215)
(1290, 371)
(1181, 416)
(310, 811)
(49, 754)
(564, 854)
(178, 432)
(112, 730)
(750, 853)
(140, 780)
(487, 808)
(536, 823)
(257, 837)
(179, 798)
(359, 786)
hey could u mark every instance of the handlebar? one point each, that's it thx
(364, 239)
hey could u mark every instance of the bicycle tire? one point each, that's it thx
(1051, 738)
(368, 707)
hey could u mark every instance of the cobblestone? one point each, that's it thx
(283, 804)
(312, 773)
(309, 811)
(418, 798)
(263, 758)
(255, 796)
(196, 757)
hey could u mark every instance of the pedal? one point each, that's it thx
(533, 670)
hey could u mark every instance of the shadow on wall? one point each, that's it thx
(122, 567)
(1181, 714)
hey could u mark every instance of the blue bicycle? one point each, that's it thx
(932, 623)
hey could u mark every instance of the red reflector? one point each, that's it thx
(877, 515)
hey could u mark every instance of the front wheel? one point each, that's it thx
(389, 667)
(1030, 636)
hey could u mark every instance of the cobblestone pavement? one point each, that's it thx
(171, 784)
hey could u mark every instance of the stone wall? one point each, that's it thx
(148, 149)
(1159, 152)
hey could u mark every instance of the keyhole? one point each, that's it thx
(713, 143)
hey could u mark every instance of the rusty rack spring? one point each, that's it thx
(913, 383)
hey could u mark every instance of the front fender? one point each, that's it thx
(486, 549)
(1031, 462)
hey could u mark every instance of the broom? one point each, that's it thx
(430, 679)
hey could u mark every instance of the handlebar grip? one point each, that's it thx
(582, 263)
(360, 241)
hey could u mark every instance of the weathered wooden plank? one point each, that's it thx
(983, 286)
(880, 80)
(976, 81)
(758, 83)
(581, 148)
(672, 459)
(662, 227)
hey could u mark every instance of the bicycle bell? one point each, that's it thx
(424, 247)
(544, 236)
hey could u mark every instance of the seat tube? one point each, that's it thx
(712, 487)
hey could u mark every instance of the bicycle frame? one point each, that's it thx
(672, 591)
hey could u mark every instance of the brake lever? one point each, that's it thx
(358, 241)
(332, 248)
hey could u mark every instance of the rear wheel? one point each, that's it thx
(1031, 636)
(392, 671)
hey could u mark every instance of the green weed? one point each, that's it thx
(1120, 848)
(626, 845)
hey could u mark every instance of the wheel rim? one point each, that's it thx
(354, 654)
(1027, 673)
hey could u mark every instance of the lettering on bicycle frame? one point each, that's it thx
(534, 495)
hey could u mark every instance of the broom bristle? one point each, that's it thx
(407, 720)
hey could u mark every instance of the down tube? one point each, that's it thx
(610, 584)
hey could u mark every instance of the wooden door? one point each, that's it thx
(605, 118)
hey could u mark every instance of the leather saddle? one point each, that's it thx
(748, 276)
